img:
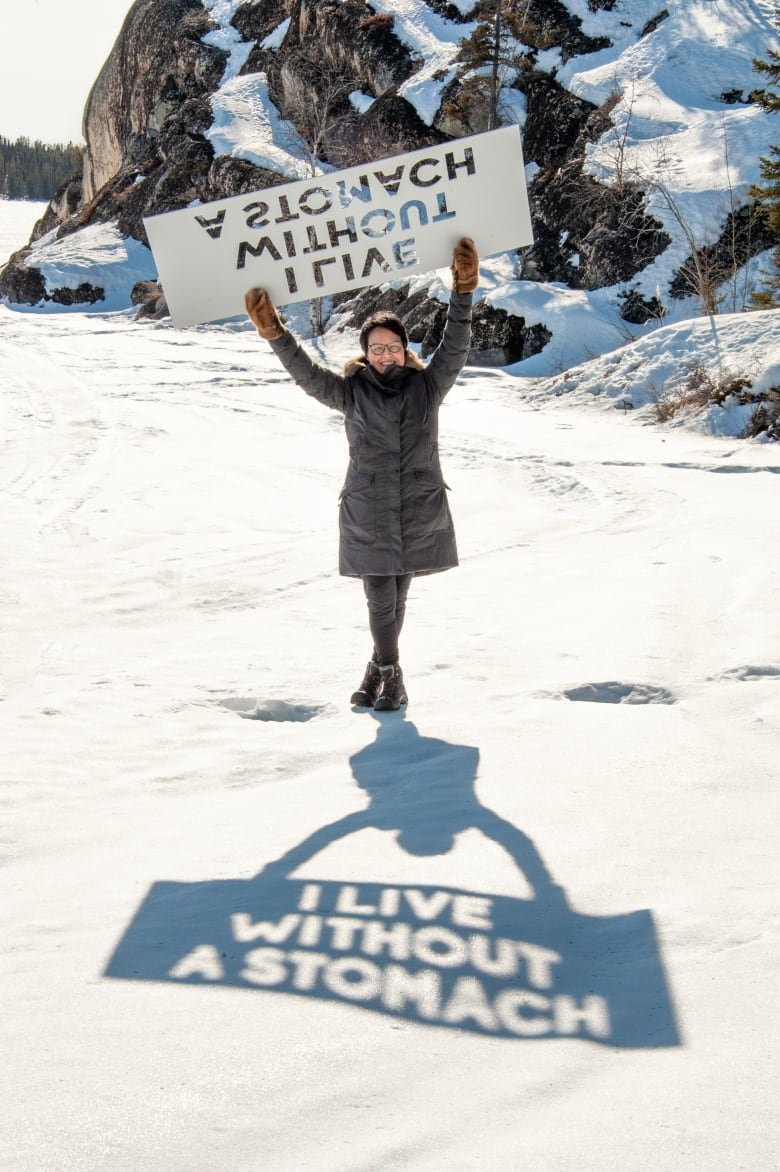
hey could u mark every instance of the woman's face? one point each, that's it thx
(384, 349)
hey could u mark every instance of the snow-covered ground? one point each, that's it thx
(595, 707)
(17, 218)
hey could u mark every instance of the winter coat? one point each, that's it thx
(394, 517)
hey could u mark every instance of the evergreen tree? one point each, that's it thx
(771, 69)
(488, 61)
(35, 170)
(768, 193)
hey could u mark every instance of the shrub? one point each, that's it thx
(766, 418)
(702, 389)
(379, 22)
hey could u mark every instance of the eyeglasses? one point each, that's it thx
(376, 348)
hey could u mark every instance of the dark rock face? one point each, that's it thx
(654, 22)
(158, 63)
(348, 34)
(150, 299)
(257, 21)
(63, 206)
(555, 122)
(744, 234)
(497, 337)
(585, 234)
(500, 338)
(639, 310)
(83, 294)
(548, 23)
(21, 284)
(228, 176)
(146, 117)
(148, 112)
(390, 127)
(334, 47)
(342, 40)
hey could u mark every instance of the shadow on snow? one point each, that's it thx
(441, 956)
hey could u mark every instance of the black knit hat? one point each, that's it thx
(386, 321)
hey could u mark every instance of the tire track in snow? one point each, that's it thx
(52, 458)
(50, 436)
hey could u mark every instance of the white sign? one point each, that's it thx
(345, 229)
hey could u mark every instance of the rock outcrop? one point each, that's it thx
(158, 65)
(498, 338)
(148, 151)
(143, 123)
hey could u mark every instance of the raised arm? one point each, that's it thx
(319, 382)
(297, 855)
(520, 847)
(450, 355)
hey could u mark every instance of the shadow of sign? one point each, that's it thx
(442, 956)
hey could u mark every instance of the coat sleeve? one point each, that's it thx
(322, 384)
(450, 355)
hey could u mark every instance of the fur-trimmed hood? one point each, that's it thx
(360, 363)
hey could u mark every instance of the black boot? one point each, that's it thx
(367, 693)
(392, 693)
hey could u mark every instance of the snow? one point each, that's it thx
(361, 101)
(276, 38)
(226, 37)
(725, 345)
(17, 219)
(247, 125)
(434, 41)
(695, 154)
(596, 686)
(98, 254)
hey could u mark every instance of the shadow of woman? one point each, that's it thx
(423, 789)
(462, 959)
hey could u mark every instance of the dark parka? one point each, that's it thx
(393, 516)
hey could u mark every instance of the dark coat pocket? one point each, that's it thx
(431, 511)
(357, 507)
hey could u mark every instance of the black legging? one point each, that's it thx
(386, 598)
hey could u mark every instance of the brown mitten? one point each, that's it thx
(262, 312)
(465, 266)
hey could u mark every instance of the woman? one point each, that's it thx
(394, 520)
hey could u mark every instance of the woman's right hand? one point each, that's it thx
(263, 314)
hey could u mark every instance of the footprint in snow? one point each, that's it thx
(750, 671)
(615, 692)
(279, 711)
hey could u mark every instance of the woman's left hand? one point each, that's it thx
(465, 266)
